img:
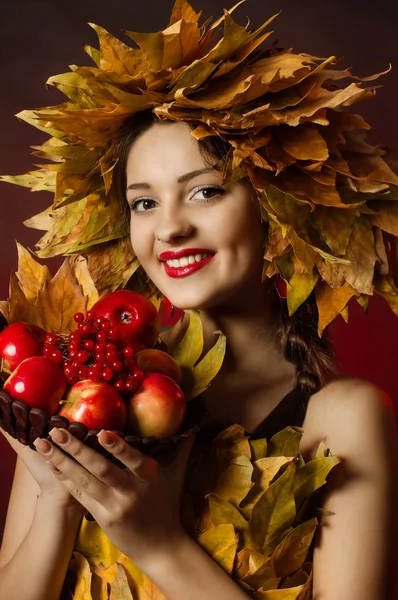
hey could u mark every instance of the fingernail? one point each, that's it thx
(42, 446)
(106, 438)
(59, 435)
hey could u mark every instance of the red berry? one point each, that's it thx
(76, 365)
(111, 356)
(86, 330)
(72, 354)
(128, 351)
(51, 338)
(67, 363)
(102, 337)
(82, 356)
(130, 364)
(117, 366)
(114, 334)
(131, 385)
(137, 375)
(79, 317)
(47, 351)
(120, 385)
(90, 316)
(100, 358)
(107, 374)
(84, 372)
(75, 336)
(94, 372)
(99, 321)
(106, 326)
(100, 348)
(110, 346)
(72, 380)
(74, 347)
(89, 345)
(71, 371)
(56, 356)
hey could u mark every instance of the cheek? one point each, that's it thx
(140, 240)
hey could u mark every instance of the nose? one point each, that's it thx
(173, 224)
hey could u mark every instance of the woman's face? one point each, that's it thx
(199, 242)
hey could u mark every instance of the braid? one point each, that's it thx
(303, 347)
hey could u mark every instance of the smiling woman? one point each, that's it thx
(227, 178)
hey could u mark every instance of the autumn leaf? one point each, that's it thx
(312, 476)
(198, 374)
(221, 543)
(120, 589)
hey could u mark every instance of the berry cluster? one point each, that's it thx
(94, 351)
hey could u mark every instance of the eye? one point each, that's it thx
(208, 193)
(142, 205)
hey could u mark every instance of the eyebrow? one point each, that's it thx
(183, 179)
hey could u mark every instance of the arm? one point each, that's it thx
(353, 558)
(188, 572)
(138, 508)
(40, 531)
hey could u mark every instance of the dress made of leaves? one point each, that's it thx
(248, 503)
(329, 196)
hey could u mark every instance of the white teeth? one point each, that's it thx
(186, 260)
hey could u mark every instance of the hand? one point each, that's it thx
(48, 483)
(137, 507)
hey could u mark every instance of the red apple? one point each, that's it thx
(39, 382)
(96, 404)
(152, 360)
(19, 341)
(133, 315)
(157, 408)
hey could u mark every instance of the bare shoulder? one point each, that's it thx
(347, 413)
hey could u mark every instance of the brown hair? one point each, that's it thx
(298, 333)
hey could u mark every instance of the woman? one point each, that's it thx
(182, 206)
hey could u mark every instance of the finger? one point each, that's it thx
(141, 466)
(71, 473)
(98, 466)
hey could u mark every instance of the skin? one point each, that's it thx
(139, 507)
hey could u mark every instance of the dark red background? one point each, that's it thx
(41, 38)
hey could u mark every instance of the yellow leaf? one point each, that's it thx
(331, 302)
(286, 442)
(188, 351)
(235, 482)
(60, 300)
(299, 288)
(221, 543)
(208, 367)
(286, 594)
(312, 476)
(292, 552)
(83, 577)
(273, 513)
(84, 279)
(120, 589)
(197, 376)
(32, 276)
(96, 546)
(259, 448)
(265, 469)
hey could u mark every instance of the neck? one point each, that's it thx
(248, 322)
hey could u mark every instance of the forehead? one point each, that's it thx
(164, 151)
